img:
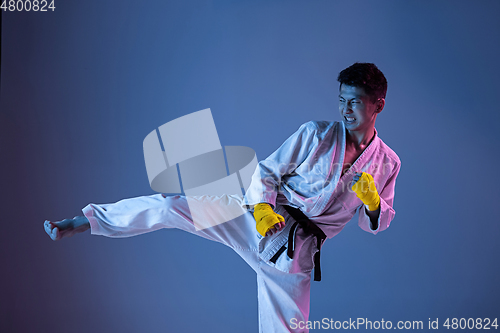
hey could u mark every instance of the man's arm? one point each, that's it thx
(379, 219)
(267, 178)
(374, 215)
(268, 175)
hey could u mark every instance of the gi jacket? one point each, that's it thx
(305, 172)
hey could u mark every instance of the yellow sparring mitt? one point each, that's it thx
(365, 190)
(265, 217)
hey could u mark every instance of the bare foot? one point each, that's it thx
(66, 227)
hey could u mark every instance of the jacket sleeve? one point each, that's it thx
(268, 176)
(386, 203)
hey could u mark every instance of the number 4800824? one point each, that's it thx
(27, 5)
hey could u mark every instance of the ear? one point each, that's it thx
(380, 105)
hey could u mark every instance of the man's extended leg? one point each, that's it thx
(283, 297)
(135, 216)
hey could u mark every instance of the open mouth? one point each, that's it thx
(349, 119)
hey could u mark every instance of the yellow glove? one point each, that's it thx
(365, 190)
(266, 218)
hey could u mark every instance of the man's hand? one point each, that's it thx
(268, 222)
(365, 189)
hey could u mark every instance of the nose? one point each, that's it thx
(346, 107)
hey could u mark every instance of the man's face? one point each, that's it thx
(356, 108)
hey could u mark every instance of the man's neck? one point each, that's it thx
(360, 139)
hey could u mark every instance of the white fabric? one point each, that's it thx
(304, 172)
(282, 296)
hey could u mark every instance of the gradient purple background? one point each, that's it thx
(82, 86)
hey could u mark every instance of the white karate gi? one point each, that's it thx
(305, 172)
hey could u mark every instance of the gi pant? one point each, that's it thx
(281, 296)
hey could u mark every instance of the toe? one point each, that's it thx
(56, 235)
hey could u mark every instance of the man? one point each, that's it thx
(304, 192)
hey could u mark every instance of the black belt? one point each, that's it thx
(310, 228)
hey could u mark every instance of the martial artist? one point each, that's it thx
(304, 192)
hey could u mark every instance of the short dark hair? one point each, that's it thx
(367, 76)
